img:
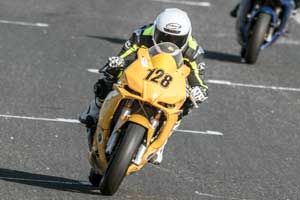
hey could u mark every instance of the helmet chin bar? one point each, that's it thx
(181, 49)
(160, 36)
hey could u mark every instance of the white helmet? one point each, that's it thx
(172, 25)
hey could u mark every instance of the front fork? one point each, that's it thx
(126, 111)
(142, 149)
(125, 114)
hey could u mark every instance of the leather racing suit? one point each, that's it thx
(193, 58)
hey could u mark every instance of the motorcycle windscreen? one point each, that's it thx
(165, 62)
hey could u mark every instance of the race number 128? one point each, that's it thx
(159, 76)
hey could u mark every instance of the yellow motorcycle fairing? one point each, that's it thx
(151, 92)
(137, 83)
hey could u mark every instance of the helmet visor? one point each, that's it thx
(179, 40)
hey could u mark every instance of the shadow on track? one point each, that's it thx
(45, 181)
(109, 39)
(211, 55)
(214, 55)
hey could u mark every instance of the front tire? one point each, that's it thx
(257, 38)
(121, 158)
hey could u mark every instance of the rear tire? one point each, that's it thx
(257, 38)
(121, 158)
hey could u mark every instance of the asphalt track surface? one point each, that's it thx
(43, 74)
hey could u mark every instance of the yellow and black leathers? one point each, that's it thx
(192, 53)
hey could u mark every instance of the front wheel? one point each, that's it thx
(257, 38)
(123, 154)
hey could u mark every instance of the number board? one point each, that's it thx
(159, 76)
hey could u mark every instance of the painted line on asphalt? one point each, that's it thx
(190, 3)
(38, 24)
(200, 132)
(228, 83)
(45, 181)
(96, 71)
(284, 40)
(75, 121)
(209, 195)
(217, 196)
(41, 119)
(221, 82)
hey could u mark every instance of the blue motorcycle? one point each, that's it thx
(259, 24)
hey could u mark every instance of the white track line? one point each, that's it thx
(41, 119)
(217, 197)
(200, 132)
(24, 23)
(220, 82)
(74, 121)
(190, 3)
(45, 181)
(284, 40)
(96, 71)
(208, 195)
(228, 83)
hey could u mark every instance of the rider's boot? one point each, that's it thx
(90, 116)
(90, 119)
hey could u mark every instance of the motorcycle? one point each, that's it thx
(138, 116)
(259, 24)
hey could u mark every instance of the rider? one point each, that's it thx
(172, 25)
(287, 5)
